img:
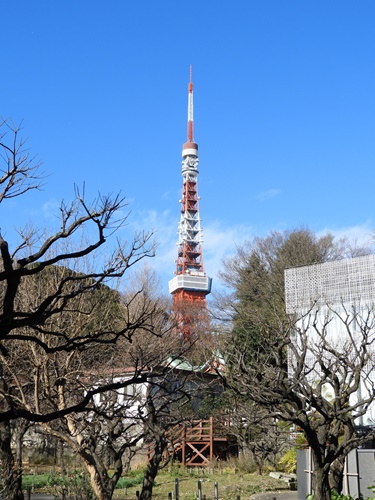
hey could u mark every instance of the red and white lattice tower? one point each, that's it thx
(190, 285)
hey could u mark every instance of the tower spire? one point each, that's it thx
(190, 284)
(190, 128)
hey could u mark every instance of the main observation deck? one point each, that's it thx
(196, 281)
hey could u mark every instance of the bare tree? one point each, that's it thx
(64, 329)
(273, 362)
(168, 404)
(57, 257)
(54, 381)
(327, 389)
(260, 439)
(46, 287)
(132, 376)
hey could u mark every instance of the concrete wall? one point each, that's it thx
(359, 473)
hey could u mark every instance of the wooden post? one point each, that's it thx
(216, 491)
(183, 446)
(199, 490)
(211, 439)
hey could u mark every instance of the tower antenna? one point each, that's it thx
(190, 127)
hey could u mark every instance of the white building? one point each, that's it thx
(334, 308)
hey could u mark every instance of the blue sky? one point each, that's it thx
(284, 94)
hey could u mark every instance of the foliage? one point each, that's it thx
(340, 496)
(129, 482)
(36, 481)
(255, 277)
(75, 484)
(288, 462)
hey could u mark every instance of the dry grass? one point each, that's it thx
(230, 485)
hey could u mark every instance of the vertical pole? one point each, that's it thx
(345, 474)
(216, 491)
(211, 439)
(177, 489)
(357, 474)
(309, 467)
(183, 445)
(199, 489)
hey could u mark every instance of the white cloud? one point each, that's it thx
(51, 208)
(268, 195)
(219, 242)
(164, 227)
(361, 234)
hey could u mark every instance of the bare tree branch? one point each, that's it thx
(20, 172)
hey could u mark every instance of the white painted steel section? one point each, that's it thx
(198, 282)
(190, 151)
(189, 228)
(189, 233)
(190, 165)
(190, 107)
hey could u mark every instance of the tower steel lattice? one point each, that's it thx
(190, 284)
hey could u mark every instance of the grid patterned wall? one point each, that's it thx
(346, 281)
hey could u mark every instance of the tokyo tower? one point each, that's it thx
(190, 285)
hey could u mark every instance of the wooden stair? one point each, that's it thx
(196, 443)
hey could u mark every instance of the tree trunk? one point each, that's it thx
(127, 458)
(18, 450)
(152, 470)
(320, 484)
(101, 484)
(102, 487)
(11, 473)
(60, 456)
(337, 474)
